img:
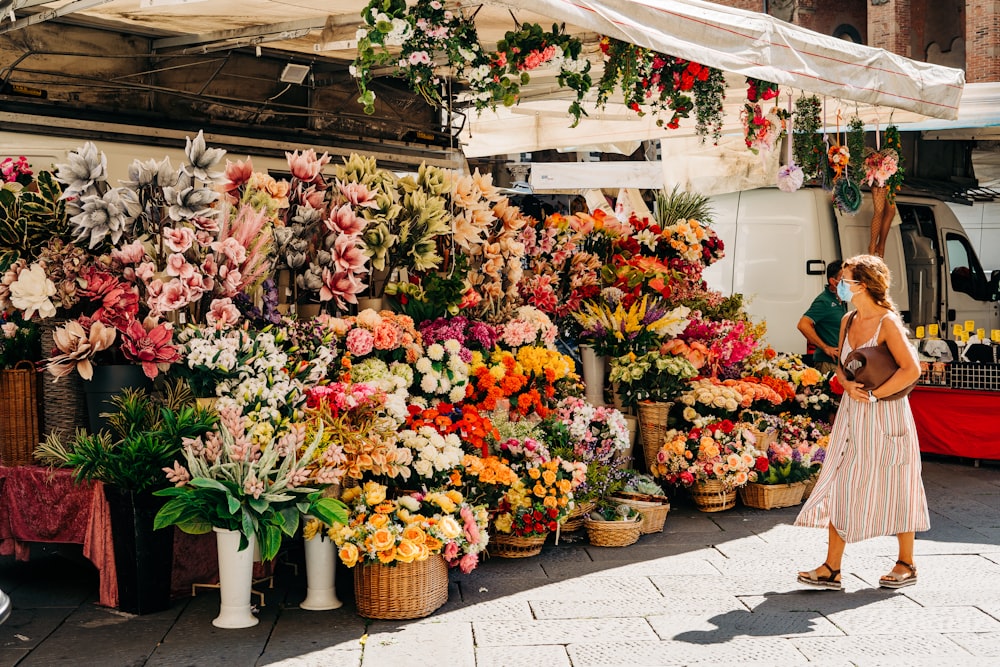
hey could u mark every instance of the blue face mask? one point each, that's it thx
(844, 292)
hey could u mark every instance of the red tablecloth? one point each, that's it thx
(957, 422)
(39, 505)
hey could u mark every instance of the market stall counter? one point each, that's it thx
(46, 505)
(957, 422)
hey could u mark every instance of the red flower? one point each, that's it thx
(553, 512)
(761, 465)
(152, 348)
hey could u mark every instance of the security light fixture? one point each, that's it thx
(294, 73)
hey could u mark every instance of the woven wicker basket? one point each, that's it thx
(771, 496)
(654, 512)
(810, 484)
(712, 496)
(63, 403)
(405, 590)
(613, 533)
(765, 439)
(19, 408)
(503, 545)
(575, 519)
(652, 428)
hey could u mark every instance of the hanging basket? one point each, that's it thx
(402, 591)
(713, 496)
(613, 533)
(654, 510)
(19, 407)
(503, 545)
(575, 519)
(771, 496)
(653, 428)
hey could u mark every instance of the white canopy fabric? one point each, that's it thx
(763, 47)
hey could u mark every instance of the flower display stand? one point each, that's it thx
(613, 533)
(594, 366)
(19, 407)
(771, 496)
(403, 591)
(321, 564)
(235, 581)
(653, 428)
(713, 496)
(654, 510)
(503, 545)
(574, 521)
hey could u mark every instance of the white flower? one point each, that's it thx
(428, 384)
(424, 365)
(456, 394)
(409, 502)
(424, 468)
(452, 346)
(31, 291)
(435, 352)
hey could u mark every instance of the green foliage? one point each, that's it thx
(807, 145)
(31, 217)
(24, 345)
(682, 205)
(856, 146)
(146, 435)
(894, 182)
(437, 295)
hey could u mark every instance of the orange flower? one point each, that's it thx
(414, 534)
(349, 554)
(386, 556)
(378, 520)
(382, 539)
(407, 551)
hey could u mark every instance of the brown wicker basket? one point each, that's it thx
(613, 533)
(771, 496)
(654, 512)
(810, 484)
(19, 408)
(405, 590)
(63, 403)
(765, 439)
(652, 428)
(713, 496)
(504, 545)
(575, 519)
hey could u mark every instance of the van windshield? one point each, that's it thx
(966, 274)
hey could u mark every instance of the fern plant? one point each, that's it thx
(682, 205)
(146, 436)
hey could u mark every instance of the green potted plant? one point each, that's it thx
(145, 435)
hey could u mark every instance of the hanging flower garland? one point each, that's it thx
(808, 143)
(428, 36)
(856, 147)
(895, 181)
(759, 90)
(662, 83)
(526, 49)
(761, 131)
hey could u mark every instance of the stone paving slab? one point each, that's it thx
(498, 609)
(419, 645)
(904, 648)
(522, 656)
(982, 644)
(767, 651)
(828, 602)
(673, 565)
(561, 631)
(335, 632)
(549, 609)
(724, 627)
(984, 597)
(888, 621)
(321, 658)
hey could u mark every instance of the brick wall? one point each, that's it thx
(982, 38)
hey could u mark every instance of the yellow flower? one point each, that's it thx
(549, 477)
(431, 545)
(374, 493)
(311, 528)
(539, 491)
(449, 527)
(454, 496)
(386, 556)
(550, 501)
(414, 534)
(407, 551)
(378, 520)
(349, 554)
(351, 494)
(382, 539)
(504, 522)
(534, 473)
(442, 501)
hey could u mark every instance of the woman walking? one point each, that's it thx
(870, 483)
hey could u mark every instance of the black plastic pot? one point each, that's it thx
(143, 556)
(108, 382)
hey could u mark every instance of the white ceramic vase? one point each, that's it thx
(321, 563)
(593, 374)
(235, 581)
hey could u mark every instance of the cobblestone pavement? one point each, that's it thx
(712, 589)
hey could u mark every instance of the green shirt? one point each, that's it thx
(826, 311)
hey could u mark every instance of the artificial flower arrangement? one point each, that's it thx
(442, 372)
(239, 478)
(761, 131)
(759, 90)
(617, 330)
(471, 334)
(16, 171)
(384, 335)
(32, 215)
(531, 381)
(880, 166)
(791, 457)
(721, 450)
(362, 436)
(807, 438)
(434, 456)
(474, 429)
(813, 392)
(410, 528)
(708, 399)
(762, 393)
(48, 286)
(20, 340)
(653, 376)
(529, 327)
(729, 342)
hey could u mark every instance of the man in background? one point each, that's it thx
(821, 323)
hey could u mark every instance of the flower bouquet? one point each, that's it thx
(653, 376)
(471, 334)
(708, 399)
(618, 330)
(531, 381)
(442, 372)
(780, 477)
(613, 524)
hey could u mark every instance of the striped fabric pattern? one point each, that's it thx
(870, 483)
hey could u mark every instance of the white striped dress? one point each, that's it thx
(870, 482)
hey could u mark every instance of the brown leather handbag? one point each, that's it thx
(872, 366)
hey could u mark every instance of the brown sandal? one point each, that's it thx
(899, 579)
(812, 578)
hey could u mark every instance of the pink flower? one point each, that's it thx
(360, 342)
(468, 563)
(133, 253)
(178, 266)
(343, 219)
(237, 173)
(348, 255)
(174, 295)
(198, 284)
(386, 337)
(231, 249)
(314, 198)
(223, 314)
(357, 194)
(232, 280)
(149, 343)
(305, 166)
(178, 239)
(209, 267)
(145, 271)
(343, 286)
(450, 551)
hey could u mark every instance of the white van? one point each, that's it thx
(778, 244)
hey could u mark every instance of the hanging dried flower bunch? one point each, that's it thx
(808, 143)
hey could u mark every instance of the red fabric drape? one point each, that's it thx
(957, 422)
